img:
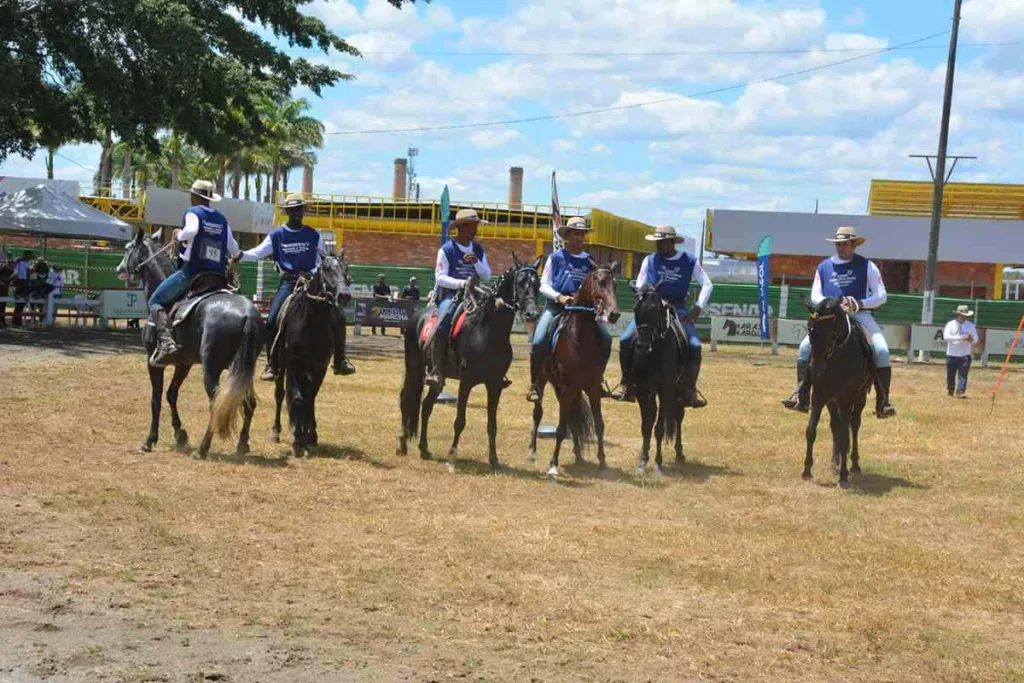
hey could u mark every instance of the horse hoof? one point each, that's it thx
(297, 451)
(275, 437)
(641, 470)
(855, 469)
(580, 462)
(658, 473)
(426, 455)
(202, 453)
(844, 484)
(450, 467)
(806, 476)
(602, 465)
(531, 455)
(181, 440)
(145, 447)
(242, 451)
(680, 459)
(553, 472)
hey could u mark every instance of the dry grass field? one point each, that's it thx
(360, 565)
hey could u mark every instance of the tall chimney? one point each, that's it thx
(398, 188)
(515, 187)
(307, 179)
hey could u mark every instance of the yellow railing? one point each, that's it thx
(131, 208)
(340, 213)
(959, 200)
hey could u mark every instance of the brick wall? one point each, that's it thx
(421, 250)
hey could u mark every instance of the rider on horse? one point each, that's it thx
(857, 282)
(207, 239)
(564, 272)
(458, 260)
(671, 272)
(296, 248)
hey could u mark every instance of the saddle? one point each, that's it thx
(430, 326)
(202, 287)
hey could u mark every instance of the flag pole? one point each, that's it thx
(547, 431)
(445, 396)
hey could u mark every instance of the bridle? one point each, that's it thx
(305, 279)
(657, 331)
(137, 270)
(815, 316)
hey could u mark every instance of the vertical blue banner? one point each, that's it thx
(764, 278)
(446, 211)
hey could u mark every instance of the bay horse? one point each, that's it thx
(222, 332)
(842, 371)
(480, 353)
(304, 347)
(575, 366)
(660, 357)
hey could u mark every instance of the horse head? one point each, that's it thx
(526, 287)
(143, 251)
(828, 328)
(651, 315)
(598, 290)
(335, 280)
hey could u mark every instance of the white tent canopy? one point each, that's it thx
(43, 211)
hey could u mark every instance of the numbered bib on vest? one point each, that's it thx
(211, 253)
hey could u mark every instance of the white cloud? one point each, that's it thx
(560, 145)
(493, 139)
(993, 20)
(856, 18)
(601, 150)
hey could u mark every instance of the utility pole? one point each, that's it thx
(414, 187)
(928, 303)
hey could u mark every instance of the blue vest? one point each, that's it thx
(844, 279)
(209, 248)
(568, 272)
(458, 268)
(674, 275)
(295, 251)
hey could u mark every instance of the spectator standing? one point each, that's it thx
(960, 334)
(412, 292)
(381, 292)
(56, 279)
(6, 276)
(22, 270)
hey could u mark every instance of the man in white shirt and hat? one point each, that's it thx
(960, 333)
(857, 283)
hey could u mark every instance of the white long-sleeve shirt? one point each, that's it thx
(546, 288)
(191, 229)
(446, 281)
(876, 297)
(57, 280)
(699, 276)
(266, 248)
(956, 334)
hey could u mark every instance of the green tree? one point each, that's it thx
(132, 69)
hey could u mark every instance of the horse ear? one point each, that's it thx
(157, 234)
(515, 260)
(616, 268)
(536, 264)
(138, 236)
(807, 302)
(341, 254)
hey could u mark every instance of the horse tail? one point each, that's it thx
(237, 390)
(412, 385)
(581, 421)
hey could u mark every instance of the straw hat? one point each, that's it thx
(466, 216)
(293, 200)
(205, 189)
(664, 233)
(964, 311)
(574, 223)
(848, 234)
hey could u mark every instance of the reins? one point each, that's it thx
(849, 331)
(137, 270)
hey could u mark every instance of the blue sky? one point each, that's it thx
(778, 145)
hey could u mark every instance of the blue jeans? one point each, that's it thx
(879, 347)
(957, 365)
(689, 328)
(541, 335)
(444, 317)
(169, 291)
(284, 290)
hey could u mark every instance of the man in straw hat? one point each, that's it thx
(959, 334)
(857, 282)
(460, 260)
(296, 248)
(672, 271)
(207, 239)
(564, 272)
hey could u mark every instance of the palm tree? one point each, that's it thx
(287, 128)
(52, 140)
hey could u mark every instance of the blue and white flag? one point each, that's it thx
(764, 278)
(556, 217)
(446, 211)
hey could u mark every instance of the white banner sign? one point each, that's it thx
(997, 343)
(124, 304)
(739, 330)
(791, 332)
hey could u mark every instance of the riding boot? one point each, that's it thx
(268, 370)
(691, 397)
(883, 380)
(341, 364)
(438, 351)
(800, 401)
(626, 391)
(533, 395)
(166, 350)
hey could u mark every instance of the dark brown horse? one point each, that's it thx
(575, 366)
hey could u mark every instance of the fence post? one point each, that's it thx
(48, 320)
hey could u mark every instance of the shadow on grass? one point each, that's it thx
(692, 470)
(235, 459)
(872, 484)
(332, 452)
(75, 342)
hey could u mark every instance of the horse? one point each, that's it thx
(842, 372)
(223, 332)
(660, 357)
(481, 353)
(304, 347)
(575, 365)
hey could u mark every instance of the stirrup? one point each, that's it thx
(697, 400)
(793, 403)
(625, 393)
(505, 382)
(268, 373)
(532, 394)
(885, 411)
(434, 381)
(344, 368)
(161, 358)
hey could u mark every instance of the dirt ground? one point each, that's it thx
(358, 565)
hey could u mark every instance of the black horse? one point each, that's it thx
(842, 372)
(481, 354)
(223, 331)
(304, 347)
(660, 356)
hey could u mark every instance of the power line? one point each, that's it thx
(66, 158)
(621, 107)
(672, 53)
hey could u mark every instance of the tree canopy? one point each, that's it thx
(84, 69)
